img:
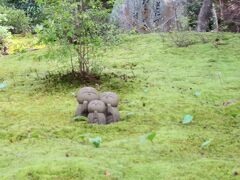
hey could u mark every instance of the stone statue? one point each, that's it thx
(84, 96)
(111, 100)
(99, 109)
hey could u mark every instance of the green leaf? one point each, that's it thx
(96, 141)
(197, 93)
(3, 85)
(80, 118)
(206, 144)
(149, 136)
(187, 119)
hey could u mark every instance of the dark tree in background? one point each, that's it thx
(230, 15)
(204, 16)
(107, 3)
(193, 9)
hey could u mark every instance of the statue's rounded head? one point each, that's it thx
(87, 94)
(110, 98)
(96, 106)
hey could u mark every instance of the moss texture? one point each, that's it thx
(39, 140)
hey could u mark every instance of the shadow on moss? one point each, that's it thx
(54, 81)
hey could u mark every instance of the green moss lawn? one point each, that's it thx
(158, 84)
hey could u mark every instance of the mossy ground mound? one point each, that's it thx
(157, 83)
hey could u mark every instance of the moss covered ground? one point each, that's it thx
(158, 84)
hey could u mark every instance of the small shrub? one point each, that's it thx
(4, 34)
(16, 19)
(203, 38)
(87, 33)
(96, 141)
(182, 39)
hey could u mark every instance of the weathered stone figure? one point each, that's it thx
(84, 96)
(111, 100)
(97, 112)
(99, 109)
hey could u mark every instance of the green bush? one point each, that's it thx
(4, 33)
(3, 2)
(16, 19)
(31, 8)
(83, 27)
(182, 39)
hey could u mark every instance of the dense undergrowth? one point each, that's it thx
(157, 83)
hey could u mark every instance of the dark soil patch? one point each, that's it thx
(63, 79)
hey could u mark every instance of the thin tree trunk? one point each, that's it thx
(215, 18)
(221, 9)
(204, 16)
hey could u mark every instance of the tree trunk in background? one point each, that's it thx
(221, 9)
(215, 18)
(230, 15)
(204, 16)
(149, 15)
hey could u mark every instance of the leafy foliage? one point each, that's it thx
(96, 141)
(149, 136)
(187, 119)
(82, 26)
(3, 2)
(197, 93)
(4, 32)
(193, 8)
(16, 19)
(32, 9)
(182, 39)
